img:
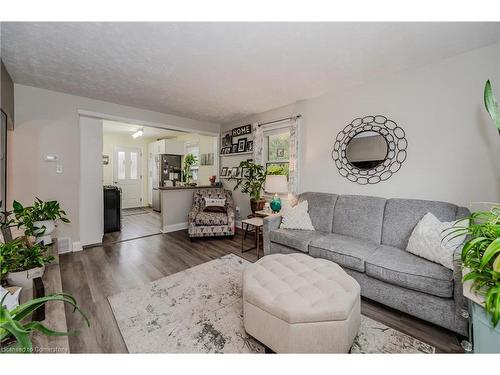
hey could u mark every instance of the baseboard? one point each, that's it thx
(175, 227)
(77, 246)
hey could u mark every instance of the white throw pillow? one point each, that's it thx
(426, 240)
(215, 202)
(296, 217)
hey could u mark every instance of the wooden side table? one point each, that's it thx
(257, 223)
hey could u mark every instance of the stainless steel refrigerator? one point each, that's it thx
(167, 168)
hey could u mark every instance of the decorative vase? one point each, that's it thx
(24, 279)
(44, 235)
(275, 204)
(257, 205)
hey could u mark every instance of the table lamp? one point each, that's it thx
(276, 184)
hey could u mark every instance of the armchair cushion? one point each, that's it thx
(211, 218)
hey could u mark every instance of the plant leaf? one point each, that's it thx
(37, 326)
(491, 104)
(491, 250)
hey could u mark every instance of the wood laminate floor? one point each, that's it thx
(135, 226)
(96, 273)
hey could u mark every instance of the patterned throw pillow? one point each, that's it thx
(427, 242)
(296, 217)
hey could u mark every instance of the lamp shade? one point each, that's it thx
(276, 184)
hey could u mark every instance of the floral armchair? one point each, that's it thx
(208, 224)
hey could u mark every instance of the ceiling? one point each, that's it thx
(115, 127)
(222, 72)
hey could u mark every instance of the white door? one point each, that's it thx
(127, 174)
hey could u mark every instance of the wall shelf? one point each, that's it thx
(237, 153)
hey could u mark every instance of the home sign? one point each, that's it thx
(242, 130)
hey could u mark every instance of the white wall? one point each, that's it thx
(47, 122)
(91, 195)
(453, 149)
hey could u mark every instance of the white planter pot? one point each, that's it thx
(24, 279)
(45, 236)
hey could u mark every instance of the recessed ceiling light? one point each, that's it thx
(138, 133)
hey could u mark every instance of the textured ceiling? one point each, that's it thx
(224, 71)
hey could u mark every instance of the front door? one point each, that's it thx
(127, 174)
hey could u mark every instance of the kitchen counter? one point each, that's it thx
(186, 187)
(176, 202)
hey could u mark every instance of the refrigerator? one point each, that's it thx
(168, 167)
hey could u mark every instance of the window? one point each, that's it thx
(121, 165)
(194, 148)
(277, 150)
(133, 165)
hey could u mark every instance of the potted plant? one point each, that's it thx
(15, 330)
(189, 161)
(252, 184)
(39, 220)
(22, 260)
(481, 260)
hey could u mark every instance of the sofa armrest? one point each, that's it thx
(270, 223)
(192, 213)
(231, 215)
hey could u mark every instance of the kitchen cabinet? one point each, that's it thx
(167, 146)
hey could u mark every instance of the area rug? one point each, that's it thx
(200, 310)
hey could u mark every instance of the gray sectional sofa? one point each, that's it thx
(367, 236)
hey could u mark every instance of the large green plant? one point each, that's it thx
(252, 184)
(22, 255)
(481, 256)
(189, 161)
(15, 331)
(491, 104)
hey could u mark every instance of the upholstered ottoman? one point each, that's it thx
(298, 304)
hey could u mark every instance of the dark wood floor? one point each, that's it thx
(96, 273)
(135, 226)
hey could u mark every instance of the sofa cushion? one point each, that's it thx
(402, 268)
(211, 218)
(402, 215)
(349, 252)
(321, 206)
(294, 238)
(359, 216)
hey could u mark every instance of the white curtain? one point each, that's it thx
(258, 144)
(293, 180)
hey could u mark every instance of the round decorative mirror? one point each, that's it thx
(369, 149)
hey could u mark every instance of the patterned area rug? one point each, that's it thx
(199, 310)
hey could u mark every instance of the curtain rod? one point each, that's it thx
(283, 119)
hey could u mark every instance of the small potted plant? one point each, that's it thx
(252, 184)
(189, 161)
(39, 220)
(15, 330)
(22, 260)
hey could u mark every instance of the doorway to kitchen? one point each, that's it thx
(134, 162)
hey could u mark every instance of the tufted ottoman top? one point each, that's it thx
(297, 288)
